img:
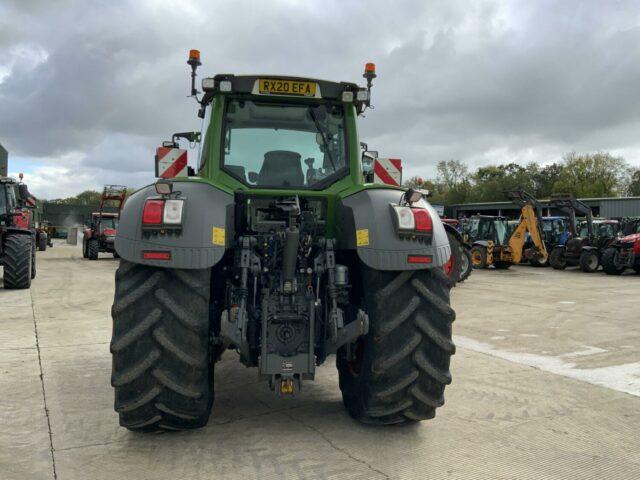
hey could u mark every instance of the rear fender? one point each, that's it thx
(450, 229)
(365, 224)
(203, 239)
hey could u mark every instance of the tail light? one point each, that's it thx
(413, 221)
(152, 213)
(423, 221)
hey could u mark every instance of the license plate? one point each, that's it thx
(286, 87)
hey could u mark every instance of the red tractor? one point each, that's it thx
(624, 252)
(100, 235)
(17, 237)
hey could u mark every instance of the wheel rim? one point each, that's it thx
(593, 262)
(476, 258)
(464, 263)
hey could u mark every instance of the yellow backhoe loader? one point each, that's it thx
(492, 246)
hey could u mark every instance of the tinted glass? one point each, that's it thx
(286, 146)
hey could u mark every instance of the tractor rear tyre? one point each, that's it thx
(466, 266)
(453, 267)
(18, 262)
(398, 371)
(478, 257)
(162, 367)
(589, 262)
(92, 249)
(610, 262)
(557, 259)
(42, 242)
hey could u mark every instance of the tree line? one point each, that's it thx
(584, 175)
(88, 197)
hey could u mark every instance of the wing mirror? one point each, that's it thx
(253, 177)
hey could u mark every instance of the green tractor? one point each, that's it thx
(275, 247)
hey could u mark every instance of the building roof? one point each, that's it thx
(546, 200)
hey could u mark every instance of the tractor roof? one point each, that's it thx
(489, 217)
(249, 84)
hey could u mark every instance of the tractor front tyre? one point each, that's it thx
(18, 261)
(162, 368)
(502, 265)
(478, 257)
(92, 249)
(466, 265)
(33, 260)
(42, 243)
(398, 371)
(610, 263)
(589, 262)
(535, 262)
(557, 259)
(85, 254)
(453, 267)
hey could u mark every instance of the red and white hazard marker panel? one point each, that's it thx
(172, 162)
(387, 171)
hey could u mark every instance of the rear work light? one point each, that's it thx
(172, 212)
(411, 220)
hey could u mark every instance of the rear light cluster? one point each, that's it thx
(162, 213)
(413, 221)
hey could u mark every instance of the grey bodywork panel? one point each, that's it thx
(370, 210)
(205, 207)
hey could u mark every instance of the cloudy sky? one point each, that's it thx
(88, 89)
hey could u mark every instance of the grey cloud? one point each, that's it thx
(457, 79)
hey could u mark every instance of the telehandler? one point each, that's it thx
(278, 249)
(491, 248)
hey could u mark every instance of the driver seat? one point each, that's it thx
(281, 168)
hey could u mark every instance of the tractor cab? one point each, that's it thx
(555, 230)
(602, 229)
(105, 224)
(8, 201)
(488, 228)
